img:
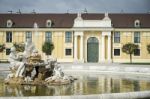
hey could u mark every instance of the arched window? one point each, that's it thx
(48, 23)
(137, 23)
(9, 23)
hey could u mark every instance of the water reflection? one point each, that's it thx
(84, 85)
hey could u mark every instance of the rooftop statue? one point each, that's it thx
(30, 69)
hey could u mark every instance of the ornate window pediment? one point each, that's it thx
(9, 23)
(137, 23)
(48, 23)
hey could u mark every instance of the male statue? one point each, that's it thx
(29, 47)
(15, 63)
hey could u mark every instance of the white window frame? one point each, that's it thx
(49, 36)
(65, 51)
(68, 39)
(48, 23)
(137, 37)
(114, 53)
(10, 37)
(27, 35)
(117, 37)
(9, 23)
(137, 23)
(137, 55)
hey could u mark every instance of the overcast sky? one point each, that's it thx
(62, 6)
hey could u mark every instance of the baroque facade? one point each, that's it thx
(82, 37)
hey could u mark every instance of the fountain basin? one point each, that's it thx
(93, 84)
(87, 84)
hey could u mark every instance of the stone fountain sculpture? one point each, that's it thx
(29, 69)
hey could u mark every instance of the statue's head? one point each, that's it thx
(13, 49)
(29, 40)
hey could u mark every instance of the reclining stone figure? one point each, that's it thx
(14, 60)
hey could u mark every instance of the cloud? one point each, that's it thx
(61, 6)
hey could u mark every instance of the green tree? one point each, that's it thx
(19, 47)
(148, 48)
(2, 47)
(47, 48)
(129, 49)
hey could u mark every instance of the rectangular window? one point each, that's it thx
(7, 51)
(68, 51)
(29, 35)
(48, 36)
(136, 37)
(117, 37)
(8, 36)
(137, 52)
(68, 37)
(116, 52)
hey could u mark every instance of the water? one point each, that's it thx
(86, 84)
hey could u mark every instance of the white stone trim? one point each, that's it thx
(117, 45)
(81, 48)
(106, 33)
(60, 29)
(109, 48)
(133, 60)
(79, 22)
(120, 52)
(78, 29)
(75, 47)
(103, 48)
(76, 34)
(68, 56)
(100, 50)
(65, 60)
(132, 29)
(92, 23)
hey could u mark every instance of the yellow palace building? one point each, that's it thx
(82, 37)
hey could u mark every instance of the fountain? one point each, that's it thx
(29, 69)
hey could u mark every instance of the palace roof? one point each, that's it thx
(66, 20)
